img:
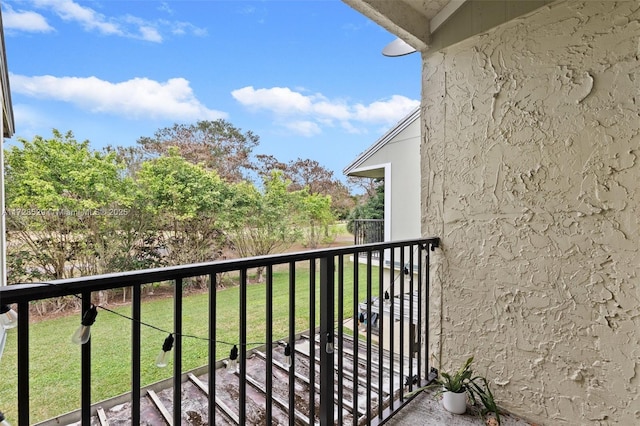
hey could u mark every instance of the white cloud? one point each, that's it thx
(280, 100)
(182, 28)
(25, 21)
(297, 111)
(337, 110)
(69, 10)
(150, 34)
(93, 21)
(135, 98)
(303, 127)
(387, 111)
(165, 7)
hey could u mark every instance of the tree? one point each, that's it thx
(261, 223)
(186, 202)
(315, 217)
(372, 208)
(311, 175)
(61, 198)
(131, 157)
(217, 145)
(366, 184)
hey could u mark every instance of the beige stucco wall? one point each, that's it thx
(531, 176)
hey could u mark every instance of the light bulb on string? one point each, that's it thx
(233, 359)
(362, 322)
(3, 420)
(8, 317)
(329, 347)
(163, 357)
(83, 333)
(287, 356)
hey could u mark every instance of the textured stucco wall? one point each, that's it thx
(531, 176)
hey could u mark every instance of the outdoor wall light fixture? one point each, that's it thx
(8, 317)
(398, 47)
(163, 357)
(83, 333)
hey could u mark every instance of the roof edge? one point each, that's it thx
(366, 154)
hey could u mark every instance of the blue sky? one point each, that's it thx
(306, 76)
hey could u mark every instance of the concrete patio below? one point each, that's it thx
(427, 410)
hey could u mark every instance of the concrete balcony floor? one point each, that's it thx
(427, 410)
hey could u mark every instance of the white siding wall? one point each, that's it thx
(401, 157)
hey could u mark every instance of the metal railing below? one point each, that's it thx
(340, 351)
(368, 231)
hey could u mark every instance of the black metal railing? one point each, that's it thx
(368, 231)
(341, 351)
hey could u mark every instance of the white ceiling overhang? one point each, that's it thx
(411, 20)
(435, 24)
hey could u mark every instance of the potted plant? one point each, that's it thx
(455, 387)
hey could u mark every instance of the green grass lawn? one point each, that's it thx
(55, 361)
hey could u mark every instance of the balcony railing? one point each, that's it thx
(368, 231)
(399, 367)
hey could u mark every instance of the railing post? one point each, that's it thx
(292, 342)
(85, 367)
(327, 320)
(177, 352)
(23, 363)
(213, 296)
(136, 314)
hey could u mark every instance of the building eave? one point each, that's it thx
(7, 106)
(365, 155)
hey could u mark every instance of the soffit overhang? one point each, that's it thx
(408, 19)
(435, 24)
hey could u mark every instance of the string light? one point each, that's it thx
(3, 420)
(83, 333)
(232, 364)
(362, 322)
(233, 356)
(405, 271)
(287, 356)
(329, 346)
(163, 357)
(8, 317)
(3, 341)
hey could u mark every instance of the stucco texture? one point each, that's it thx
(531, 177)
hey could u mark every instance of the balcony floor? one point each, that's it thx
(425, 410)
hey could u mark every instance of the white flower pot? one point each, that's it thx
(455, 403)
